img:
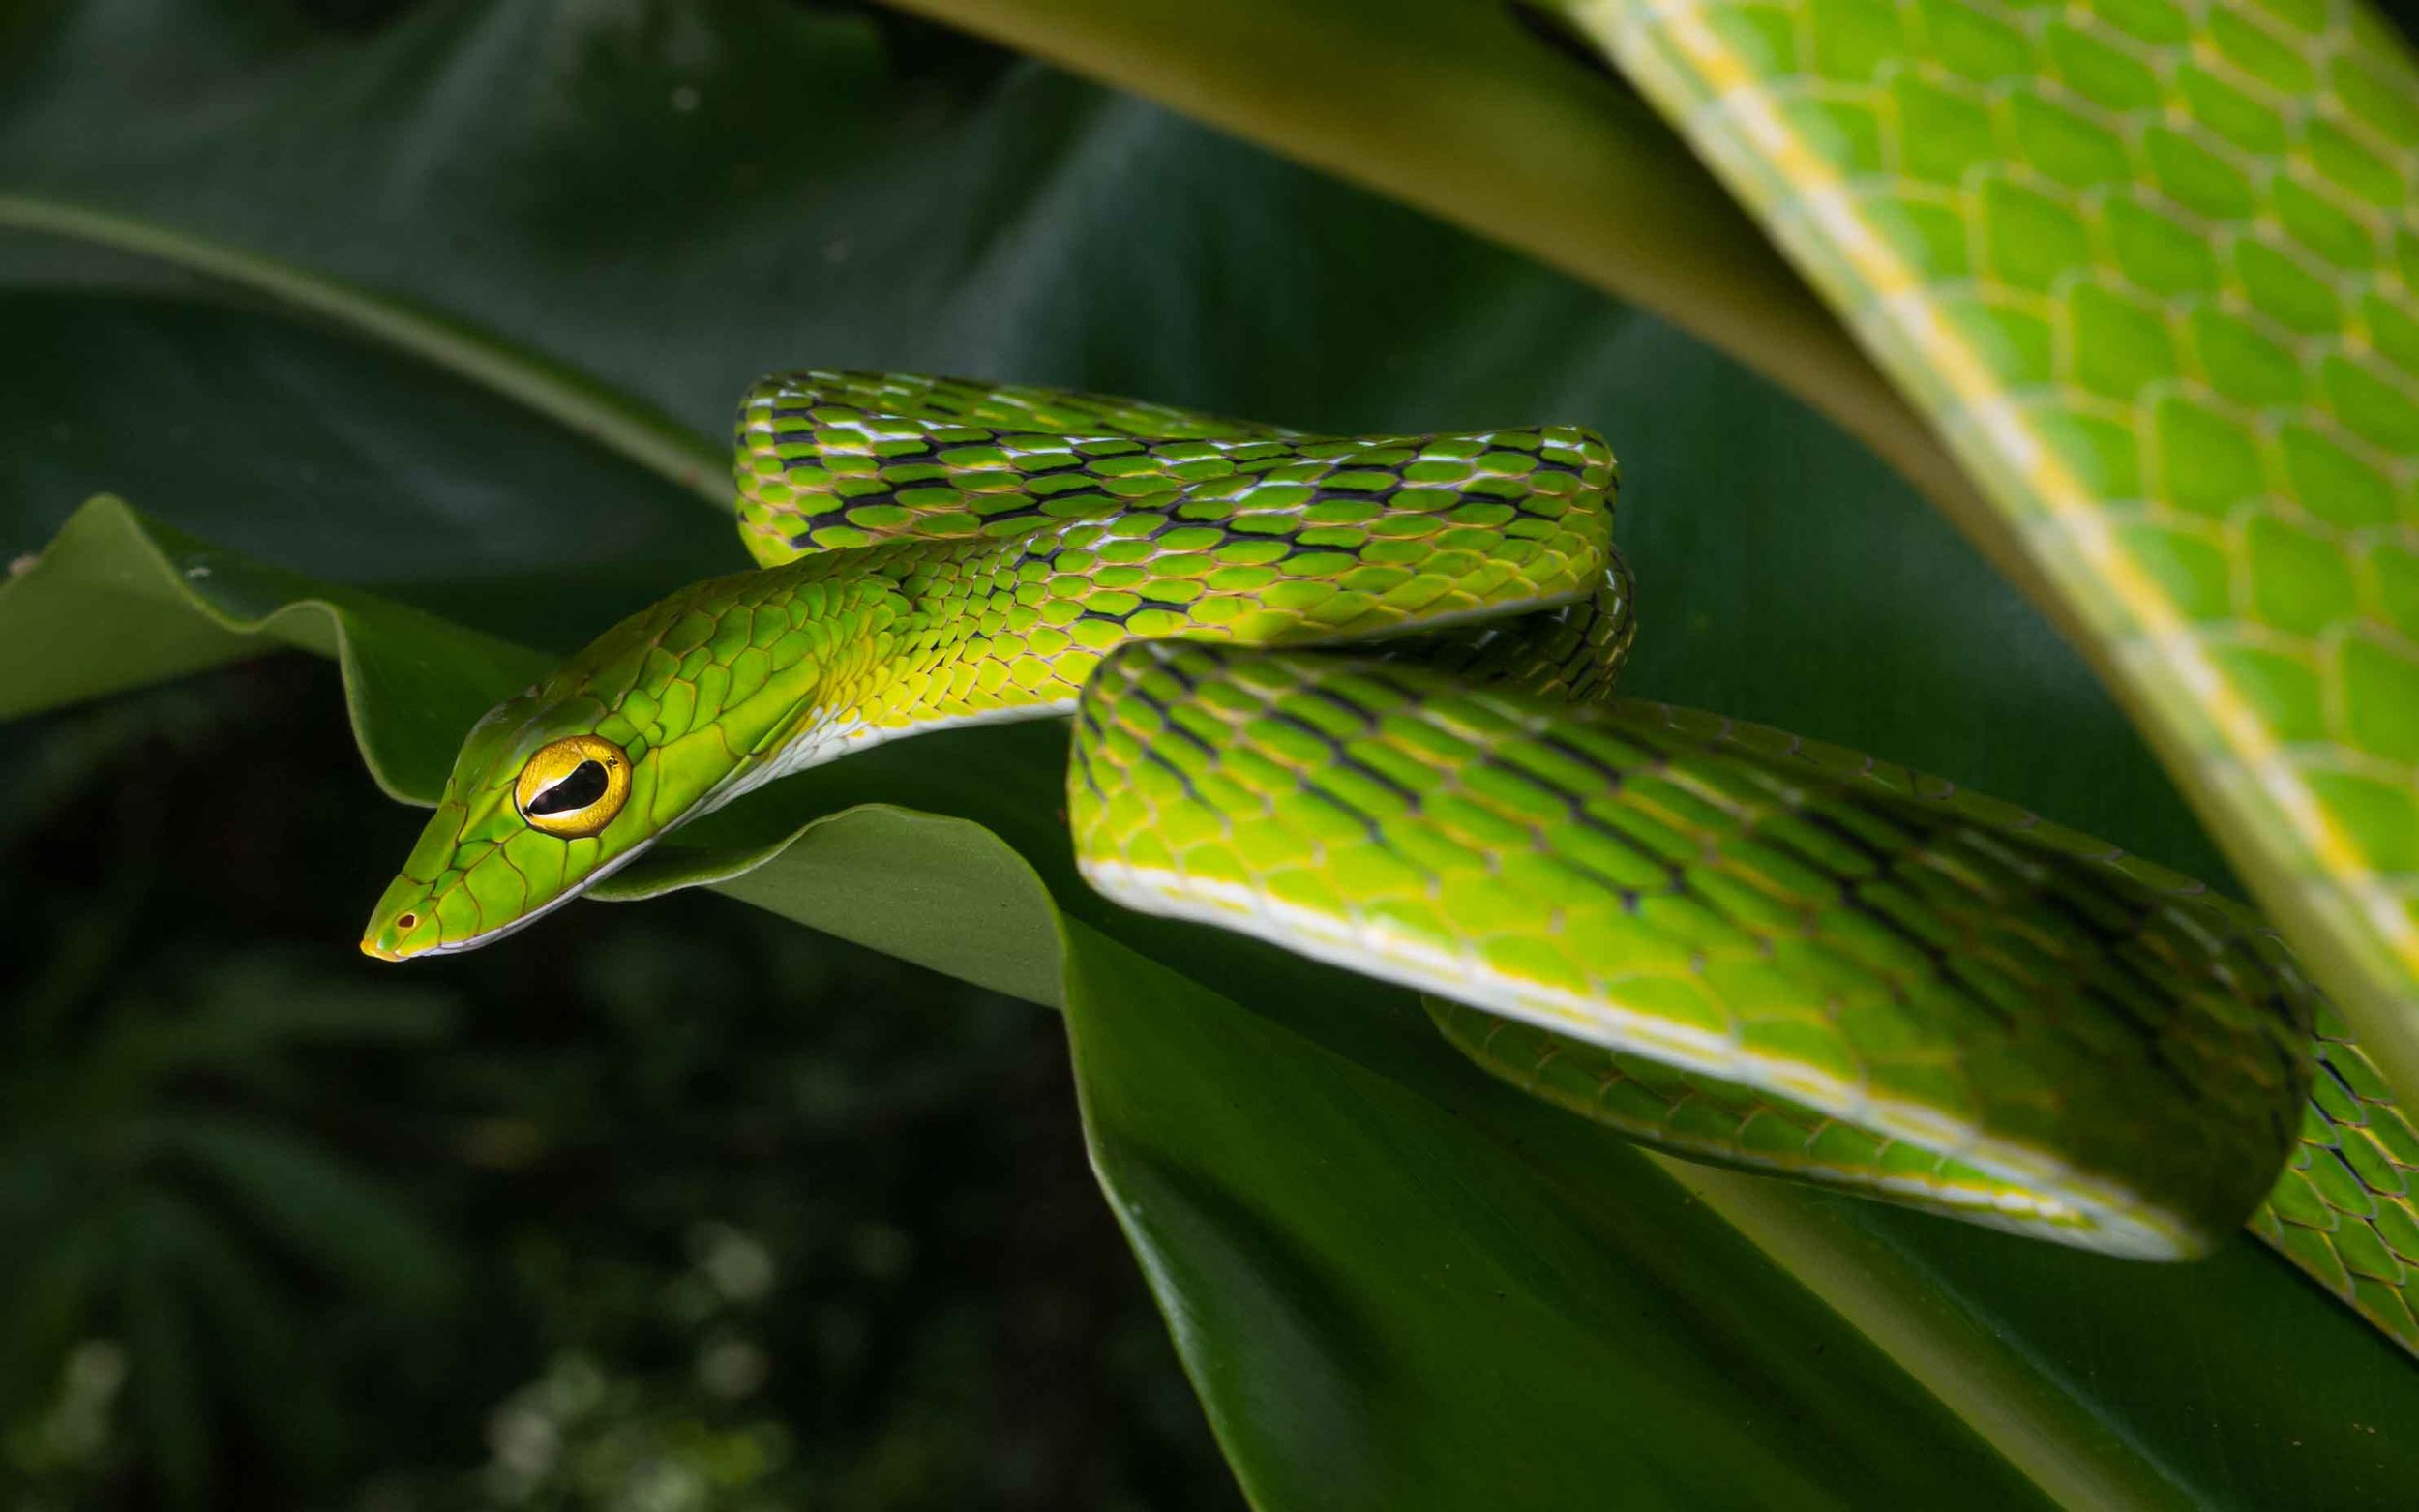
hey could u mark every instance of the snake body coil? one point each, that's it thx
(1351, 695)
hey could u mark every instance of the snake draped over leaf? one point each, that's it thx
(2147, 267)
(1354, 696)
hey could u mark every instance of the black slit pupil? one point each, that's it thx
(584, 787)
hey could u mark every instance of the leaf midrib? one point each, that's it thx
(619, 423)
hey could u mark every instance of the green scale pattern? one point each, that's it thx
(739, 680)
(826, 460)
(1713, 938)
(2344, 1209)
(1720, 937)
(2151, 267)
(1024, 556)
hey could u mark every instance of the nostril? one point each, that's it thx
(404, 921)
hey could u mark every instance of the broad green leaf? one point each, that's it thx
(331, 455)
(530, 177)
(878, 874)
(1345, 1255)
(116, 601)
(2060, 1357)
(608, 419)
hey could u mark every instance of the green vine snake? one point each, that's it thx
(2147, 266)
(1353, 697)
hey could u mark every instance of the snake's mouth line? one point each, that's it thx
(370, 948)
(733, 787)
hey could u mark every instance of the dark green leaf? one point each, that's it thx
(1395, 1298)
(116, 601)
(882, 875)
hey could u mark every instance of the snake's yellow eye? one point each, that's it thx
(574, 786)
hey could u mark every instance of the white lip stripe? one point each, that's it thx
(2042, 1195)
(823, 743)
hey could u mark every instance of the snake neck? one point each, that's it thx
(912, 634)
(911, 637)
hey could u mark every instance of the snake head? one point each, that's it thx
(539, 806)
(664, 717)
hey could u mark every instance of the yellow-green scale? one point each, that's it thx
(1925, 994)
(971, 554)
(1335, 546)
(1722, 939)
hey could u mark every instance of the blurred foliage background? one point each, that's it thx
(688, 1208)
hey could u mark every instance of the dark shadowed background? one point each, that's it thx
(682, 1207)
